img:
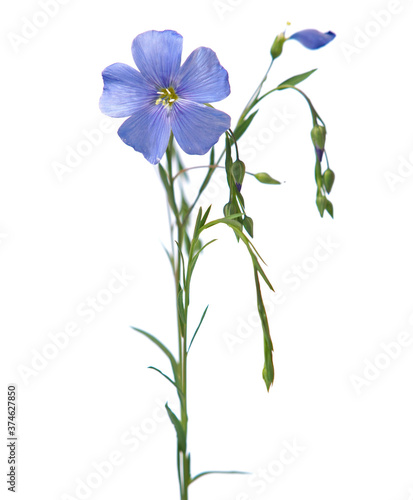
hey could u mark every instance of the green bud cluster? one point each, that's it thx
(324, 180)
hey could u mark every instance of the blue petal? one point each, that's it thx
(124, 91)
(148, 131)
(313, 39)
(201, 78)
(197, 127)
(157, 54)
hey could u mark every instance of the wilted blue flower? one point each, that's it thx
(312, 39)
(164, 96)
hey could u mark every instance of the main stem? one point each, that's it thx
(182, 455)
(178, 228)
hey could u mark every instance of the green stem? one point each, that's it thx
(181, 223)
(182, 456)
(251, 103)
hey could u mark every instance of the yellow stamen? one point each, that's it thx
(166, 97)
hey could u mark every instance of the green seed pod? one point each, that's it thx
(328, 179)
(277, 46)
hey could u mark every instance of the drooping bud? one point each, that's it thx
(328, 179)
(318, 136)
(277, 46)
(238, 171)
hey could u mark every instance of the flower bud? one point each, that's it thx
(318, 136)
(330, 209)
(277, 46)
(328, 179)
(238, 171)
(321, 202)
(265, 178)
(248, 223)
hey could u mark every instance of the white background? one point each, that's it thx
(61, 240)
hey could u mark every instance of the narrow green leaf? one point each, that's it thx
(243, 126)
(198, 221)
(217, 472)
(161, 346)
(265, 178)
(198, 327)
(295, 80)
(205, 217)
(180, 393)
(258, 267)
(179, 429)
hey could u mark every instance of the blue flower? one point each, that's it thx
(164, 96)
(313, 39)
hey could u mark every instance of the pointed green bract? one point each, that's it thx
(329, 208)
(248, 223)
(321, 202)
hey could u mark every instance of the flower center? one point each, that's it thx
(166, 96)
